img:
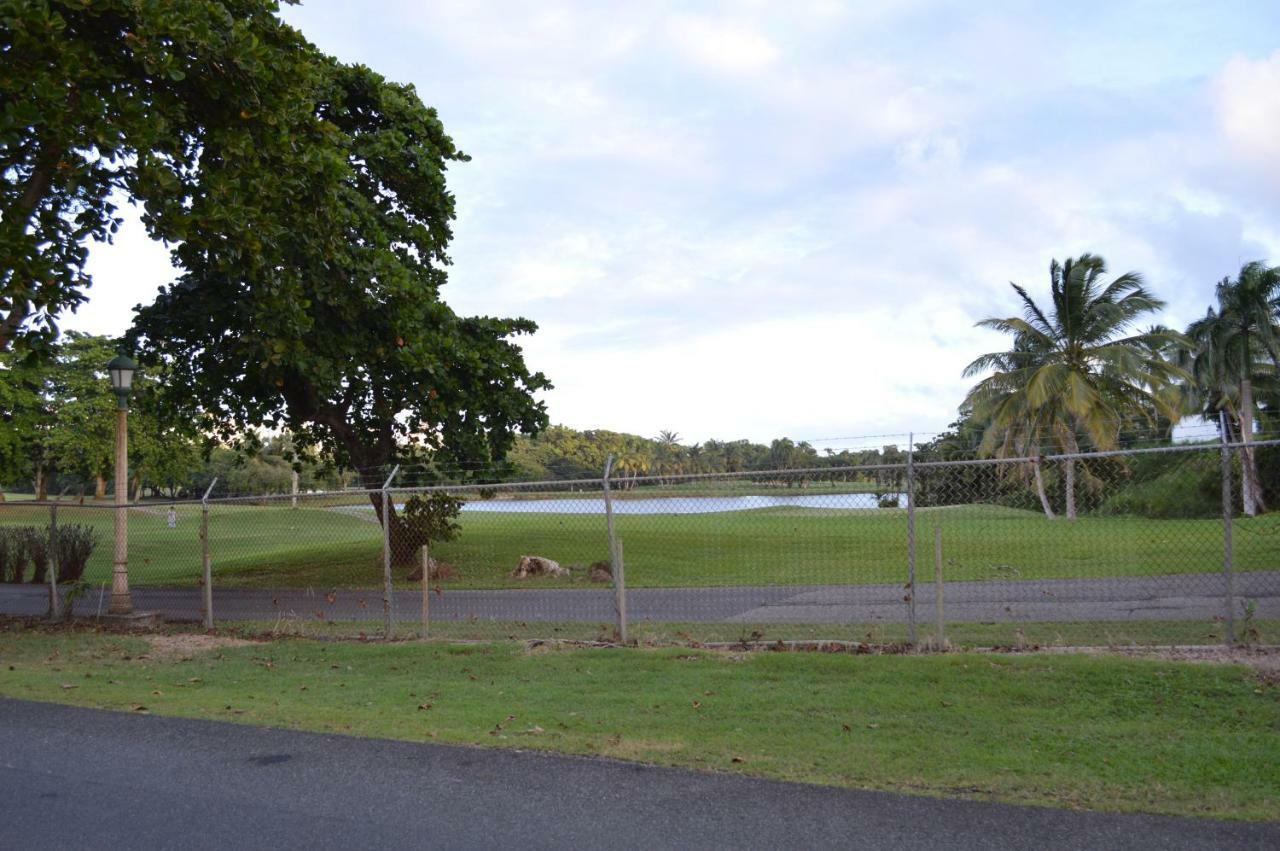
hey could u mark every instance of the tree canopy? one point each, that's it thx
(59, 414)
(340, 335)
(110, 100)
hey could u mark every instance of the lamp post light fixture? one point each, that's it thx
(121, 369)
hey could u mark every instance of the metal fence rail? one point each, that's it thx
(927, 552)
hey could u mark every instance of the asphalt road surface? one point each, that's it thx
(83, 778)
(1188, 596)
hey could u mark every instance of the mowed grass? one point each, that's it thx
(240, 537)
(1094, 732)
(332, 547)
(960, 635)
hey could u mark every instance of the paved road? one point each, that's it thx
(1191, 596)
(83, 778)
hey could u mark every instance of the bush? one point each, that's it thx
(1170, 486)
(37, 540)
(75, 544)
(13, 554)
(430, 517)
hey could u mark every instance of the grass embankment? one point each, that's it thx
(274, 546)
(1003, 634)
(1097, 732)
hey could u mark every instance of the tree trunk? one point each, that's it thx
(1069, 473)
(1044, 497)
(1070, 479)
(1251, 492)
(42, 489)
(137, 488)
(404, 550)
(100, 487)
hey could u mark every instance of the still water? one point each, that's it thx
(677, 504)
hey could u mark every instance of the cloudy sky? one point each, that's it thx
(752, 219)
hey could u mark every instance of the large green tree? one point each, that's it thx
(1077, 370)
(329, 321)
(1236, 351)
(25, 418)
(106, 100)
(63, 422)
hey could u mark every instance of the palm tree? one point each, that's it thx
(630, 465)
(1076, 371)
(668, 455)
(1228, 361)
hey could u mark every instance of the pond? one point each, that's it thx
(678, 504)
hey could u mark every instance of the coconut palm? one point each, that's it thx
(1229, 361)
(669, 455)
(630, 465)
(1076, 370)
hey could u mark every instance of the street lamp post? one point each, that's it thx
(121, 369)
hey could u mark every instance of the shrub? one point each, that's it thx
(6, 553)
(38, 552)
(428, 518)
(74, 545)
(13, 554)
(1170, 486)
(891, 501)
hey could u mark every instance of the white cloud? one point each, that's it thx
(1248, 104)
(812, 376)
(125, 274)
(720, 45)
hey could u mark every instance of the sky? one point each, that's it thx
(750, 219)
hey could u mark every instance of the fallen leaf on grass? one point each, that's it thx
(697, 704)
(70, 685)
(425, 706)
(737, 759)
(846, 728)
(138, 707)
(873, 726)
(157, 693)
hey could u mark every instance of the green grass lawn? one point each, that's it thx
(274, 546)
(1004, 634)
(1095, 732)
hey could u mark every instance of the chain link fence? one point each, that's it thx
(1143, 546)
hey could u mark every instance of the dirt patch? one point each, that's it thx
(619, 747)
(184, 645)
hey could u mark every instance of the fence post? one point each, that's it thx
(206, 567)
(388, 621)
(426, 592)
(911, 541)
(937, 585)
(55, 605)
(1228, 566)
(615, 557)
